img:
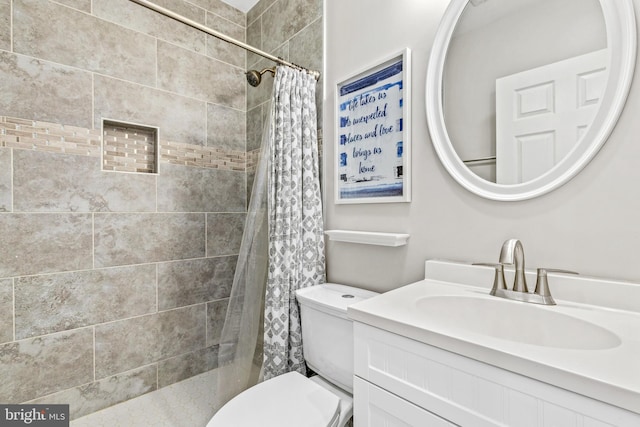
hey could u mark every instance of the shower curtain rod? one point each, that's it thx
(222, 36)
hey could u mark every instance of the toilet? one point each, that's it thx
(293, 400)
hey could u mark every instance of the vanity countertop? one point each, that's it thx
(605, 367)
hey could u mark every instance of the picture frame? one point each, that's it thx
(373, 133)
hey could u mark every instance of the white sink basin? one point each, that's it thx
(505, 320)
(588, 343)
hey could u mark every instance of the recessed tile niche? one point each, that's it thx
(129, 147)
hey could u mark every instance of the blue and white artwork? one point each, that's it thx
(371, 163)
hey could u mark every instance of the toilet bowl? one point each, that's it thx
(293, 400)
(290, 400)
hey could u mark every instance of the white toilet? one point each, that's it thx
(292, 400)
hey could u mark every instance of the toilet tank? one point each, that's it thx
(327, 332)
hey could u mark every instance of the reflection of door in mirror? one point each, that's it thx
(541, 114)
(498, 38)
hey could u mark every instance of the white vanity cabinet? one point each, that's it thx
(403, 382)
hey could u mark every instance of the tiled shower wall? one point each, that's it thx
(292, 30)
(115, 284)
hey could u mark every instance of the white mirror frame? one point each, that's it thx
(621, 40)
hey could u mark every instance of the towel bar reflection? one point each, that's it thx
(480, 160)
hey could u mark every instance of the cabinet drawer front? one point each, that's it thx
(374, 407)
(471, 393)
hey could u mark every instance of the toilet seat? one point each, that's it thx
(289, 400)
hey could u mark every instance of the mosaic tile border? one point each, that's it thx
(201, 156)
(27, 134)
(43, 136)
(253, 157)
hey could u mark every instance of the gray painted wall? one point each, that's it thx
(589, 225)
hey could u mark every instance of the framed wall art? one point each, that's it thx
(373, 147)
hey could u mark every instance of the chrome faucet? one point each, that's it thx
(512, 252)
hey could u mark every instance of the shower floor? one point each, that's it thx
(188, 403)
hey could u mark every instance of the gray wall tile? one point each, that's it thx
(285, 18)
(39, 366)
(131, 13)
(254, 38)
(187, 73)
(83, 41)
(226, 127)
(255, 126)
(119, 39)
(48, 240)
(221, 49)
(226, 193)
(58, 302)
(222, 9)
(188, 189)
(5, 24)
(216, 313)
(24, 80)
(224, 233)
(183, 283)
(126, 344)
(303, 50)
(251, 176)
(185, 8)
(183, 188)
(97, 395)
(140, 18)
(44, 243)
(258, 10)
(5, 180)
(83, 5)
(183, 330)
(185, 366)
(61, 182)
(6, 310)
(122, 239)
(180, 119)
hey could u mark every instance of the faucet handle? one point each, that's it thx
(498, 279)
(542, 284)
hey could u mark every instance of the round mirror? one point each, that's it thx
(521, 94)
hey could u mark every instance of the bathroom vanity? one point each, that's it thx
(444, 352)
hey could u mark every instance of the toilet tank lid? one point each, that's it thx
(332, 298)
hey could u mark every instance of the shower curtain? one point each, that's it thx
(282, 246)
(296, 242)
